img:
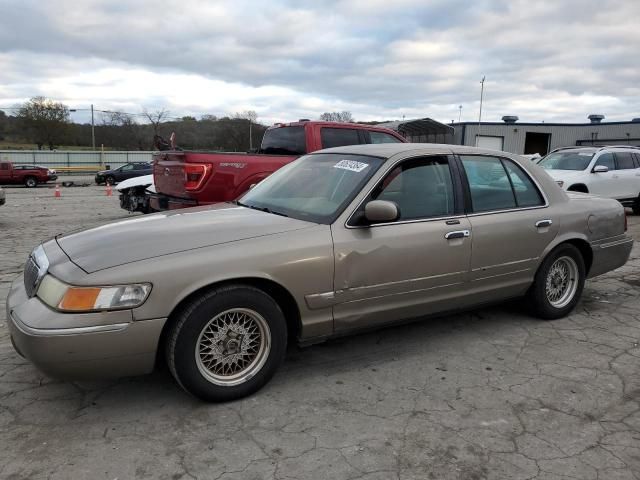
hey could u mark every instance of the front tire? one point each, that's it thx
(558, 283)
(636, 206)
(227, 344)
(110, 180)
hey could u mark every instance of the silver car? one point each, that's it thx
(338, 241)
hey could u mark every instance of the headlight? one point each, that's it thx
(68, 298)
(560, 182)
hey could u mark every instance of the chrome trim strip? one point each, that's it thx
(355, 300)
(403, 222)
(50, 332)
(616, 243)
(328, 299)
(501, 274)
(506, 264)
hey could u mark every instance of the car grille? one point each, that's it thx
(31, 272)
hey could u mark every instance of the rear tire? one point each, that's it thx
(558, 283)
(227, 344)
(30, 182)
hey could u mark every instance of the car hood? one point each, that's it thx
(165, 233)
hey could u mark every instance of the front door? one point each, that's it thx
(606, 184)
(511, 224)
(413, 266)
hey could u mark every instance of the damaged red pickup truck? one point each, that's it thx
(185, 179)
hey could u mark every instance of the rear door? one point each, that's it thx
(410, 267)
(511, 224)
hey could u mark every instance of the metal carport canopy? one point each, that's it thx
(419, 126)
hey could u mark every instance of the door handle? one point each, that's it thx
(543, 223)
(457, 234)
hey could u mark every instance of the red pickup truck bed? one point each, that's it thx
(184, 178)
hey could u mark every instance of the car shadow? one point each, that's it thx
(345, 355)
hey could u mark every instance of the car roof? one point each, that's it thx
(388, 150)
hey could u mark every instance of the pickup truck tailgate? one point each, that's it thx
(169, 174)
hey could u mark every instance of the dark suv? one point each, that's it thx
(130, 170)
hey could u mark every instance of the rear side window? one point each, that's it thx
(636, 160)
(284, 141)
(527, 194)
(625, 161)
(488, 183)
(381, 137)
(338, 137)
(607, 160)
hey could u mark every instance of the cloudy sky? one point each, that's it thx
(379, 59)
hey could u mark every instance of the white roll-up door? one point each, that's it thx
(490, 143)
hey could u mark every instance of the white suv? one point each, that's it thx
(612, 172)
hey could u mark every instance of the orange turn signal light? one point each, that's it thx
(80, 298)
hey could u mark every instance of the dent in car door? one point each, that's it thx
(411, 267)
(511, 223)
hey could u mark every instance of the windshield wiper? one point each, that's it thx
(261, 209)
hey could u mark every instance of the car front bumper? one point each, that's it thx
(104, 344)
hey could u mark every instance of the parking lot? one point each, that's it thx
(492, 393)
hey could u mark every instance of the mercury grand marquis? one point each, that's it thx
(338, 241)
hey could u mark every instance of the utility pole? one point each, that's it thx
(459, 113)
(250, 137)
(480, 115)
(93, 131)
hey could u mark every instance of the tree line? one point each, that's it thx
(47, 124)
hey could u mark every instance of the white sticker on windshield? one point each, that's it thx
(351, 165)
(585, 154)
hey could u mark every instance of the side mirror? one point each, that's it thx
(600, 169)
(381, 211)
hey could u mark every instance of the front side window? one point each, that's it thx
(315, 188)
(607, 160)
(338, 137)
(381, 137)
(576, 160)
(421, 188)
(625, 161)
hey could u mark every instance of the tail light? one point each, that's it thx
(195, 174)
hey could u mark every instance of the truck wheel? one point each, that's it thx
(30, 182)
(558, 283)
(227, 343)
(110, 180)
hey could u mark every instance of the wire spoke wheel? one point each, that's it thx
(233, 346)
(561, 283)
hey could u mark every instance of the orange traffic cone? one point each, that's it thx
(57, 192)
(109, 191)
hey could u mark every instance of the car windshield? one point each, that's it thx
(316, 188)
(576, 160)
